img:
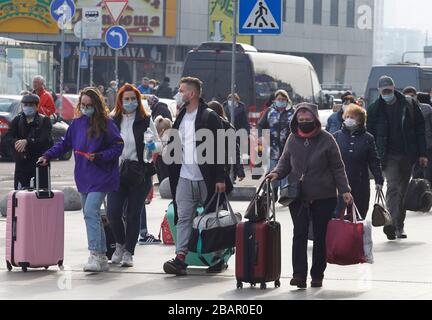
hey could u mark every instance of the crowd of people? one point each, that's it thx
(118, 150)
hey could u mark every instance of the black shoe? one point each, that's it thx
(218, 268)
(400, 234)
(317, 283)
(175, 266)
(299, 283)
(390, 232)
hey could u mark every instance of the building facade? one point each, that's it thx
(335, 35)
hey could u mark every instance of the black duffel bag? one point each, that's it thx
(215, 231)
(418, 197)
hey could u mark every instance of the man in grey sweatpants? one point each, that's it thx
(193, 180)
(190, 195)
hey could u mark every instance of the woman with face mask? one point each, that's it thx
(359, 154)
(311, 156)
(277, 120)
(134, 124)
(97, 146)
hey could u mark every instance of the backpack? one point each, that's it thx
(167, 236)
(418, 197)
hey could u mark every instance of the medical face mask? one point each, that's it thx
(130, 106)
(351, 123)
(29, 111)
(87, 111)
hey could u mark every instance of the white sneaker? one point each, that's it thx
(127, 261)
(93, 264)
(118, 254)
(103, 260)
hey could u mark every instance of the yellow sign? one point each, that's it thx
(140, 18)
(32, 16)
(220, 22)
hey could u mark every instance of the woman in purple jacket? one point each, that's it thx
(97, 146)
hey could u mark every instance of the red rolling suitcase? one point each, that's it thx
(258, 250)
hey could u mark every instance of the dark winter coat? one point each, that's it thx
(413, 125)
(160, 109)
(38, 136)
(240, 116)
(359, 154)
(318, 158)
(164, 91)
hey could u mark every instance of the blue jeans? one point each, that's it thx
(95, 231)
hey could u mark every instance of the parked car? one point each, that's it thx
(10, 106)
(70, 102)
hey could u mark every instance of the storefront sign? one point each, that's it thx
(32, 16)
(140, 17)
(221, 20)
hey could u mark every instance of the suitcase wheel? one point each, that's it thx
(9, 266)
(277, 284)
(24, 269)
(239, 285)
(263, 286)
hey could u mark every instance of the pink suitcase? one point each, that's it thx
(35, 228)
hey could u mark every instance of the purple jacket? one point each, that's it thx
(101, 175)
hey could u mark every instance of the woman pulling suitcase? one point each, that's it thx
(312, 161)
(97, 146)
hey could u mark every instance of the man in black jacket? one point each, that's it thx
(399, 130)
(164, 91)
(31, 137)
(194, 177)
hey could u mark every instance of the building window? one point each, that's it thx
(317, 12)
(351, 13)
(300, 11)
(334, 13)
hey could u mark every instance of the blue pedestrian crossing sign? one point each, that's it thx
(116, 37)
(260, 17)
(62, 9)
(84, 59)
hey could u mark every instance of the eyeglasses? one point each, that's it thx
(86, 106)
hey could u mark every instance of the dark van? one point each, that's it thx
(404, 75)
(258, 75)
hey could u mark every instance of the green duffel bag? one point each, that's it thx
(193, 258)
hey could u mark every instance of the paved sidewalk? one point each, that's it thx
(402, 269)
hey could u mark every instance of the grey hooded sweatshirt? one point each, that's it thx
(318, 158)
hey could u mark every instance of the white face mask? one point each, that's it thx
(179, 99)
(351, 123)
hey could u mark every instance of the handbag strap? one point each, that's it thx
(355, 214)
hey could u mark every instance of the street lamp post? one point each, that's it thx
(233, 75)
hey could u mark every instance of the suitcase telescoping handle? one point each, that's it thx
(38, 190)
(271, 201)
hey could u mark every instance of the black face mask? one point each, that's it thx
(307, 127)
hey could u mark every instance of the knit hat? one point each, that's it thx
(385, 82)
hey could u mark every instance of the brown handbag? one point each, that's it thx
(380, 215)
